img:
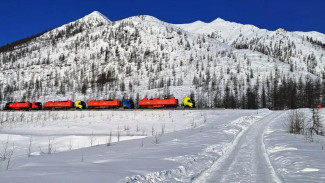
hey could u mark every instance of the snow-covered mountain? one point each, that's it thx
(302, 50)
(140, 56)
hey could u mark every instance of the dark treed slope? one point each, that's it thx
(15, 44)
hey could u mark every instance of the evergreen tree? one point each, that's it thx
(227, 100)
(263, 97)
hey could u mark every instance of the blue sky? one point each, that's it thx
(22, 18)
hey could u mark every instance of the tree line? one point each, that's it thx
(276, 95)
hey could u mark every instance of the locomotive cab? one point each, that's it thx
(6, 106)
(188, 102)
(128, 104)
(80, 104)
(36, 105)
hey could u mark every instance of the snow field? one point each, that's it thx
(191, 142)
(205, 147)
(245, 159)
(295, 158)
(155, 146)
(68, 130)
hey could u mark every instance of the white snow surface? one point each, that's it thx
(157, 146)
(295, 158)
(190, 143)
(246, 161)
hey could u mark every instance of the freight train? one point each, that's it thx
(101, 104)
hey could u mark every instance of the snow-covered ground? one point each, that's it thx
(157, 146)
(67, 130)
(295, 158)
(246, 161)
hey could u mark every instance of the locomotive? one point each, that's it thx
(100, 104)
(23, 105)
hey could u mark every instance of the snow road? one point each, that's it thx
(247, 160)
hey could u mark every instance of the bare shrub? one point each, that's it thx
(205, 117)
(118, 134)
(22, 117)
(152, 131)
(137, 129)
(70, 145)
(295, 122)
(317, 124)
(127, 129)
(92, 139)
(1, 118)
(163, 127)
(193, 124)
(5, 150)
(109, 141)
(156, 139)
(29, 149)
(50, 148)
(9, 156)
(7, 153)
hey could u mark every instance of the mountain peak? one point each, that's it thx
(281, 30)
(96, 13)
(218, 20)
(96, 16)
(143, 18)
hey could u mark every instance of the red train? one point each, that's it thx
(99, 104)
(23, 106)
(59, 105)
(104, 104)
(158, 103)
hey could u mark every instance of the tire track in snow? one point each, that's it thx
(246, 160)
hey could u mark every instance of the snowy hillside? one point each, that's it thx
(140, 56)
(302, 50)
